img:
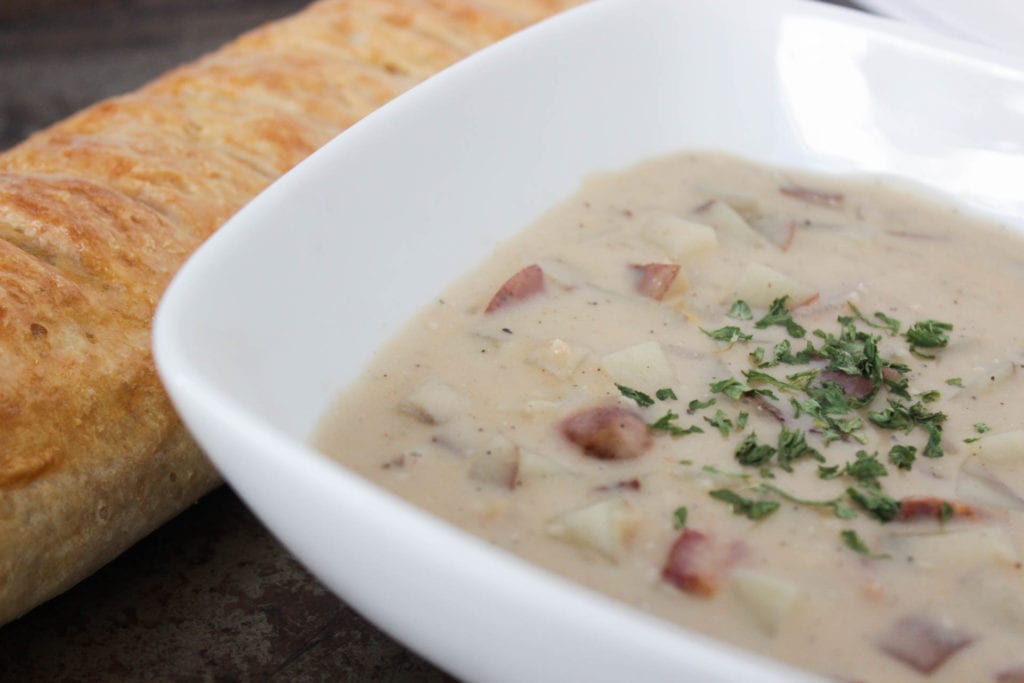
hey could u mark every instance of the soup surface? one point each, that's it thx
(780, 409)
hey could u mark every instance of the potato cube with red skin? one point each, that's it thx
(929, 507)
(524, 284)
(698, 564)
(655, 279)
(608, 432)
(923, 643)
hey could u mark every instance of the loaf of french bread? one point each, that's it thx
(98, 212)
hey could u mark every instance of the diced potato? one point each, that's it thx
(536, 467)
(986, 379)
(962, 547)
(497, 464)
(642, 366)
(434, 402)
(728, 223)
(769, 599)
(779, 230)
(678, 237)
(760, 285)
(1003, 448)
(557, 357)
(992, 473)
(605, 527)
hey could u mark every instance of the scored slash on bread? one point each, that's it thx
(99, 211)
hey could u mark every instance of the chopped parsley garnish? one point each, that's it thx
(696, 405)
(828, 471)
(946, 511)
(751, 509)
(838, 393)
(902, 456)
(902, 417)
(667, 423)
(793, 446)
(873, 500)
(835, 504)
(778, 314)
(751, 453)
(884, 321)
(729, 334)
(665, 394)
(854, 353)
(955, 382)
(866, 468)
(735, 389)
(928, 334)
(722, 423)
(796, 382)
(679, 517)
(854, 542)
(642, 399)
(740, 311)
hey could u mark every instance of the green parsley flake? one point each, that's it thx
(854, 542)
(740, 311)
(720, 422)
(666, 423)
(729, 334)
(885, 322)
(873, 500)
(928, 334)
(642, 399)
(792, 445)
(902, 456)
(866, 468)
(735, 389)
(751, 453)
(751, 509)
(778, 314)
(696, 405)
(665, 394)
(679, 517)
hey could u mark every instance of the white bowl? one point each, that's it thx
(283, 306)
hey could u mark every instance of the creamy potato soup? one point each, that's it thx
(779, 409)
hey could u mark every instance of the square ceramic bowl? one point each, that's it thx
(285, 304)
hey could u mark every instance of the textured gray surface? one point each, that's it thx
(211, 596)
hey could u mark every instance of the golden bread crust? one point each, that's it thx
(97, 213)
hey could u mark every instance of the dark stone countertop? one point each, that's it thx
(211, 595)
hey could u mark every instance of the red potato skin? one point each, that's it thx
(913, 508)
(854, 386)
(1014, 674)
(655, 279)
(608, 432)
(526, 283)
(922, 643)
(812, 195)
(698, 565)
